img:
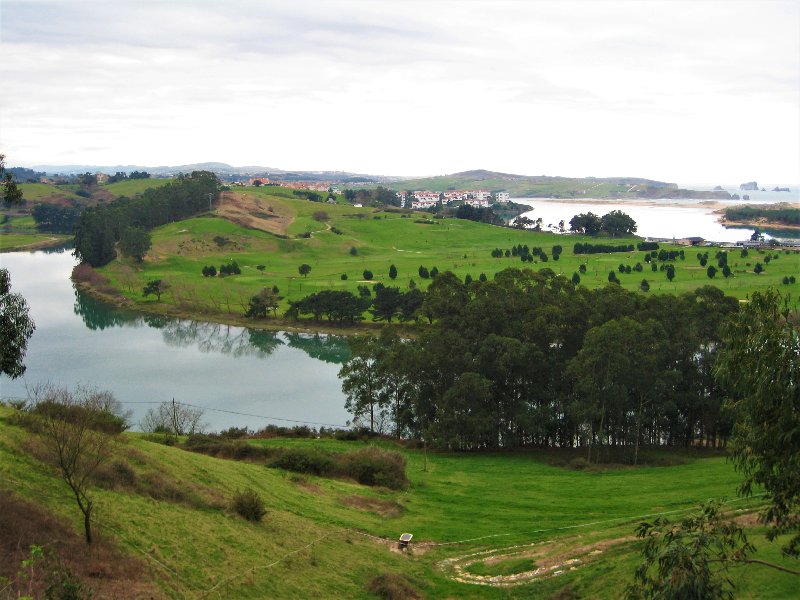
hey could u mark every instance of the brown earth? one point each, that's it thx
(384, 508)
(255, 213)
(101, 566)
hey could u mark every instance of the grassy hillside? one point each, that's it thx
(267, 226)
(315, 540)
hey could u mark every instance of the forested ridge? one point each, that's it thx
(531, 360)
(101, 227)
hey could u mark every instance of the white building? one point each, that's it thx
(425, 199)
(478, 202)
(503, 197)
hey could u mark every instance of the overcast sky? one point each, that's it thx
(699, 91)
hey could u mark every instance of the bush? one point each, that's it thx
(579, 463)
(392, 587)
(305, 460)
(249, 505)
(373, 466)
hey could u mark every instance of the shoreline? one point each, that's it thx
(48, 243)
(271, 324)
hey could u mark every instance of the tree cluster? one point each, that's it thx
(478, 214)
(614, 224)
(101, 227)
(581, 248)
(529, 359)
(52, 218)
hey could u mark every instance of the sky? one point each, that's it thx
(699, 91)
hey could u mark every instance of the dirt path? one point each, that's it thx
(551, 557)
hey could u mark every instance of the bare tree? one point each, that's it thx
(173, 418)
(80, 430)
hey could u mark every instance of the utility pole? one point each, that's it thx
(209, 201)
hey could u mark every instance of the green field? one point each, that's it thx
(381, 238)
(311, 542)
(133, 187)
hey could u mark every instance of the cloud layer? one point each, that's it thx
(694, 91)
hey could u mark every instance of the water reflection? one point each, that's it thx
(328, 348)
(98, 316)
(212, 337)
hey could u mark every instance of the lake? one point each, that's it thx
(151, 359)
(660, 218)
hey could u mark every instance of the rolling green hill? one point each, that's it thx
(263, 229)
(169, 509)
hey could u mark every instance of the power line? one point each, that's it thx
(239, 413)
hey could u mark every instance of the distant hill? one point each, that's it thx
(544, 186)
(520, 186)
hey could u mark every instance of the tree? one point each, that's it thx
(759, 366)
(670, 272)
(16, 328)
(362, 382)
(617, 223)
(367, 274)
(135, 242)
(155, 287)
(173, 418)
(711, 271)
(644, 286)
(423, 272)
(588, 223)
(759, 268)
(392, 272)
(80, 430)
(12, 195)
(576, 279)
(689, 560)
(304, 269)
(265, 301)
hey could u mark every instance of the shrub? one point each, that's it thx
(392, 587)
(344, 276)
(579, 463)
(373, 466)
(248, 504)
(305, 460)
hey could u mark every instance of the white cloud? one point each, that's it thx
(683, 91)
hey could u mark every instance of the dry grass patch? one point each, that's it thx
(385, 508)
(255, 213)
(101, 566)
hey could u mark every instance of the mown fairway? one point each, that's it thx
(194, 542)
(270, 221)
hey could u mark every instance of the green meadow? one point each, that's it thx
(372, 239)
(315, 539)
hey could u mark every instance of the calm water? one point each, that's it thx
(664, 219)
(145, 359)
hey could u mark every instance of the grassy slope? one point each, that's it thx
(133, 187)
(458, 497)
(180, 250)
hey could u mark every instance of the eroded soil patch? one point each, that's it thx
(255, 213)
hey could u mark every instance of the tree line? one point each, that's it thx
(101, 227)
(530, 359)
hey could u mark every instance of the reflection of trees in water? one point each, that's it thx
(67, 247)
(328, 348)
(212, 337)
(97, 315)
(225, 339)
